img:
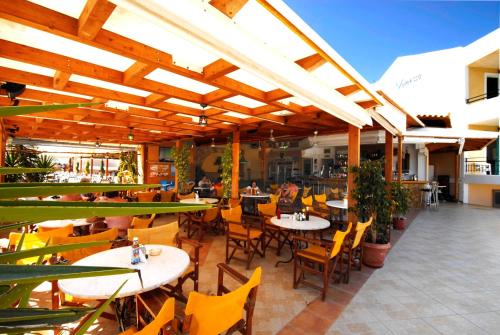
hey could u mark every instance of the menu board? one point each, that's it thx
(159, 171)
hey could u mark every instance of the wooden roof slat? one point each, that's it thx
(93, 16)
(155, 98)
(218, 69)
(312, 62)
(217, 95)
(137, 71)
(62, 25)
(347, 90)
(228, 7)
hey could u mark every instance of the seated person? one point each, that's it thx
(293, 188)
(205, 182)
(217, 187)
(253, 188)
(285, 194)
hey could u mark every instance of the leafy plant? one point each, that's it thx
(401, 197)
(87, 168)
(102, 170)
(372, 199)
(42, 162)
(22, 110)
(181, 160)
(13, 160)
(127, 170)
(77, 167)
(227, 169)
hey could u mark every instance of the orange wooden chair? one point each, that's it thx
(239, 236)
(200, 224)
(207, 315)
(164, 321)
(146, 196)
(271, 231)
(320, 257)
(138, 223)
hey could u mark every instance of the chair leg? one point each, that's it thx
(325, 282)
(227, 249)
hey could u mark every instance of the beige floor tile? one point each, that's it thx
(453, 325)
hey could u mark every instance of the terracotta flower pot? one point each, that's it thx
(374, 254)
(399, 223)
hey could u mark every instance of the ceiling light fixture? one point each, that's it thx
(130, 134)
(271, 136)
(315, 139)
(97, 143)
(203, 119)
(213, 143)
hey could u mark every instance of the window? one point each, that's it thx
(491, 85)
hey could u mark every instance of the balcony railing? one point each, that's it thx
(479, 166)
(488, 95)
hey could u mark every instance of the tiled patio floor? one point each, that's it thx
(442, 277)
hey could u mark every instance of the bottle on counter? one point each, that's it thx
(135, 257)
(278, 213)
(307, 213)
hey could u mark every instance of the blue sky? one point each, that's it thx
(370, 34)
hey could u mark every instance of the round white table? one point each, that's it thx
(342, 204)
(257, 196)
(287, 222)
(64, 223)
(199, 201)
(159, 270)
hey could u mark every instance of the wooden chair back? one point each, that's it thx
(165, 234)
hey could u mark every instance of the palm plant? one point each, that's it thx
(42, 162)
(128, 170)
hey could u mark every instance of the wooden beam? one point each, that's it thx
(137, 71)
(277, 94)
(61, 79)
(353, 159)
(155, 98)
(347, 90)
(235, 181)
(367, 104)
(94, 15)
(217, 95)
(228, 7)
(400, 158)
(218, 69)
(311, 63)
(389, 156)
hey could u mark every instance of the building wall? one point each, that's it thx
(444, 164)
(476, 80)
(481, 194)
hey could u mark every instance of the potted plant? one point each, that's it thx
(401, 198)
(181, 160)
(372, 200)
(227, 169)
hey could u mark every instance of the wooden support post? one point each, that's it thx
(3, 144)
(178, 145)
(107, 167)
(389, 156)
(353, 159)
(264, 151)
(192, 162)
(81, 165)
(400, 157)
(235, 179)
(457, 175)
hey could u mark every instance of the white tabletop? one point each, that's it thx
(200, 201)
(260, 195)
(287, 222)
(342, 204)
(159, 270)
(64, 223)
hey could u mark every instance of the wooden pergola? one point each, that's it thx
(115, 53)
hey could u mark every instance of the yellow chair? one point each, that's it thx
(274, 198)
(183, 218)
(307, 201)
(186, 196)
(37, 240)
(356, 251)
(211, 315)
(322, 253)
(138, 223)
(145, 196)
(163, 321)
(306, 191)
(169, 235)
(240, 236)
(167, 196)
(271, 231)
(200, 224)
(75, 255)
(320, 208)
(165, 234)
